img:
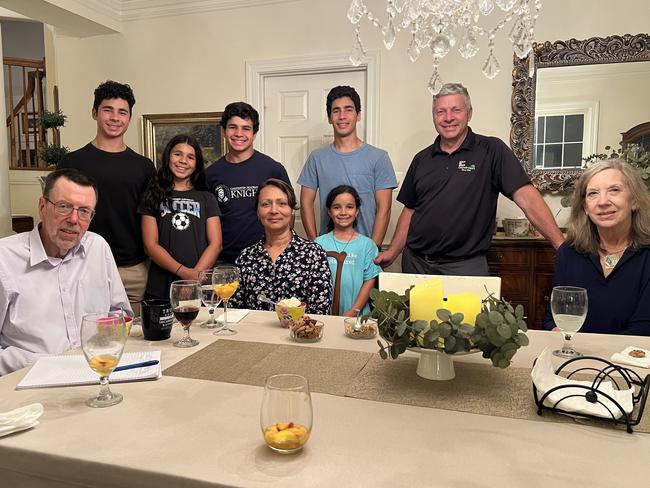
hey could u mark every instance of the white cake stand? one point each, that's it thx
(437, 365)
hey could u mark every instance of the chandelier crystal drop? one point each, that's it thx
(435, 83)
(442, 25)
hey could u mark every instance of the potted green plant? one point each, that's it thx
(53, 120)
(52, 154)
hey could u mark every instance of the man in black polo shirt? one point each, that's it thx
(450, 196)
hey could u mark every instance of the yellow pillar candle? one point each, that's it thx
(469, 304)
(425, 300)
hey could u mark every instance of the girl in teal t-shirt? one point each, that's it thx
(359, 272)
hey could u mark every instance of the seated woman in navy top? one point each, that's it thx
(608, 249)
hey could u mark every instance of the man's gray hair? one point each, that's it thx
(74, 175)
(454, 89)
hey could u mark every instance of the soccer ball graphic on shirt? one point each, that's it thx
(180, 221)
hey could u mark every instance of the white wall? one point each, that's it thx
(196, 62)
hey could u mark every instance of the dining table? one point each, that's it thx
(189, 432)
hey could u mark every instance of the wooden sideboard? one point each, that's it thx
(526, 270)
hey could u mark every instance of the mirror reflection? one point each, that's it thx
(572, 98)
(581, 109)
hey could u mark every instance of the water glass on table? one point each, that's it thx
(569, 309)
(209, 298)
(103, 336)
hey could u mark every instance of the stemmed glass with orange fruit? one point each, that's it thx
(102, 340)
(226, 281)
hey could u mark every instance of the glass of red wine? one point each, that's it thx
(185, 297)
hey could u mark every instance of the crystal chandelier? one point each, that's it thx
(442, 24)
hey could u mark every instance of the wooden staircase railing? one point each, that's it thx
(25, 132)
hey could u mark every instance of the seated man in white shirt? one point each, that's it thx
(53, 275)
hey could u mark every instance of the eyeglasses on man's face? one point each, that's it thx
(65, 208)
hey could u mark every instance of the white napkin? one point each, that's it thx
(624, 357)
(20, 419)
(234, 315)
(544, 378)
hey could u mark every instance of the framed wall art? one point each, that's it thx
(158, 129)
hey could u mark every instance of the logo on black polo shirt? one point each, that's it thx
(466, 167)
(222, 192)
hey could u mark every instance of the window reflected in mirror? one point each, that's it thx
(559, 141)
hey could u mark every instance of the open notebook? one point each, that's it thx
(52, 371)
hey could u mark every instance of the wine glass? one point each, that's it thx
(226, 281)
(185, 297)
(569, 309)
(209, 297)
(102, 340)
(286, 415)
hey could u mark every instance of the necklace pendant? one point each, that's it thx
(611, 260)
(334, 239)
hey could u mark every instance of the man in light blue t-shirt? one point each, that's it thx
(348, 161)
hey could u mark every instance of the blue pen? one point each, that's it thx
(136, 365)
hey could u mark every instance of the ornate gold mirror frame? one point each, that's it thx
(596, 50)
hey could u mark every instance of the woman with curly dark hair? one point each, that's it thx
(180, 218)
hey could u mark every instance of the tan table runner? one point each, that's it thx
(250, 363)
(477, 388)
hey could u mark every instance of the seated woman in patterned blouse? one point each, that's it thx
(283, 264)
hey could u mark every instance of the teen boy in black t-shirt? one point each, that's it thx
(122, 176)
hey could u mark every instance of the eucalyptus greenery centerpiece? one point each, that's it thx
(498, 332)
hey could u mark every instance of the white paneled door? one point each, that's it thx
(295, 118)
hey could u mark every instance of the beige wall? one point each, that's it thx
(196, 62)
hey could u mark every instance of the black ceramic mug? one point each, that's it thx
(157, 319)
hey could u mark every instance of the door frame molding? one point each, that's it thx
(258, 71)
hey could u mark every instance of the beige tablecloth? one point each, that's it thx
(196, 433)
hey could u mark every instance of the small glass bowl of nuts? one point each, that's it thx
(360, 330)
(306, 329)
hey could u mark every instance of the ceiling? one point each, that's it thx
(82, 18)
(125, 10)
